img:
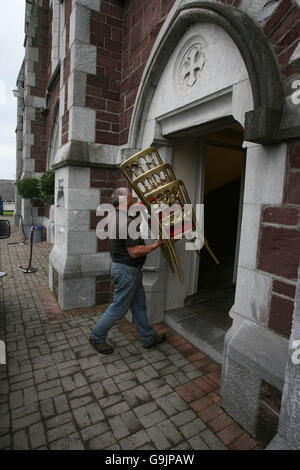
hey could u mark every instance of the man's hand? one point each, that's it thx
(141, 250)
(158, 242)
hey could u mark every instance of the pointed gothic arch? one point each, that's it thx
(262, 123)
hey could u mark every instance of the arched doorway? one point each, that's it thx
(201, 311)
(211, 72)
(196, 117)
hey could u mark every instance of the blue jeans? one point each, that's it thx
(129, 294)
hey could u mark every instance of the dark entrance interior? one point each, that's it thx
(223, 188)
(206, 314)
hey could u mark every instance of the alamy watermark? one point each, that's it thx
(2, 352)
(296, 354)
(295, 97)
(169, 222)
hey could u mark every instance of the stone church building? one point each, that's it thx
(215, 87)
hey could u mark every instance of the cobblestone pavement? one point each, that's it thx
(57, 392)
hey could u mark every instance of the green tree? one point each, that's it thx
(28, 188)
(46, 186)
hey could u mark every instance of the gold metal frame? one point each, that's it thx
(156, 185)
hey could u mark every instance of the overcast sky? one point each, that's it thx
(12, 14)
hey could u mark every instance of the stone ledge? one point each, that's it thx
(79, 266)
(254, 347)
(262, 124)
(85, 154)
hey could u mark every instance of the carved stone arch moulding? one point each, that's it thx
(263, 122)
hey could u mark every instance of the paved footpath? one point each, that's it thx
(57, 392)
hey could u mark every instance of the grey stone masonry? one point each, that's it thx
(288, 436)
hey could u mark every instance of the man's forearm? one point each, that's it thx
(142, 250)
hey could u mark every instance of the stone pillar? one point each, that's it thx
(55, 50)
(288, 436)
(19, 141)
(31, 127)
(83, 61)
(74, 256)
(78, 261)
(74, 260)
(252, 352)
(35, 82)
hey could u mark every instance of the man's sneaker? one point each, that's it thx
(103, 347)
(156, 339)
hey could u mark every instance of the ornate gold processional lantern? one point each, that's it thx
(166, 199)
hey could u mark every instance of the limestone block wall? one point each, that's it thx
(103, 89)
(142, 23)
(31, 83)
(54, 35)
(106, 180)
(282, 31)
(19, 129)
(19, 140)
(279, 246)
(65, 69)
(79, 257)
(36, 63)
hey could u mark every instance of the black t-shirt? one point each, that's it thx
(121, 237)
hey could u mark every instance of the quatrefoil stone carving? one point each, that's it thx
(191, 65)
